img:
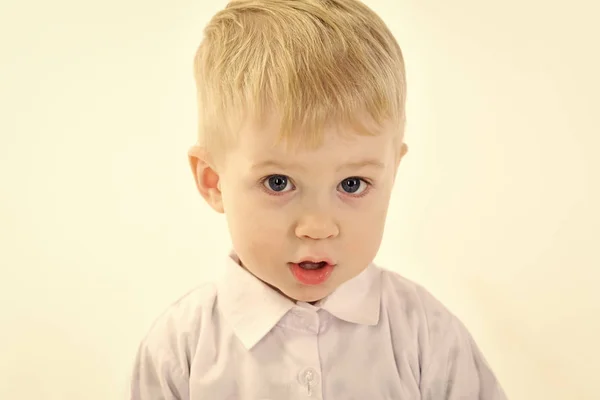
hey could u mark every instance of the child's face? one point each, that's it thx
(328, 204)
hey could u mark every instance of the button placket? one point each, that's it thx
(305, 320)
(324, 322)
(306, 324)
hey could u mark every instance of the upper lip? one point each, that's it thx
(315, 259)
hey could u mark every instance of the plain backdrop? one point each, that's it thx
(496, 209)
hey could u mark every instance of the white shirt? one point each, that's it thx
(379, 336)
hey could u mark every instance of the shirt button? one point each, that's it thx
(308, 376)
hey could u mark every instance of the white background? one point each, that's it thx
(496, 209)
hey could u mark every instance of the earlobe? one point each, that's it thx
(206, 177)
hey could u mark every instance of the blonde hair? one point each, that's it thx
(309, 62)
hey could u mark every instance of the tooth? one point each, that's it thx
(311, 265)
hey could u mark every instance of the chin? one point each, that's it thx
(309, 294)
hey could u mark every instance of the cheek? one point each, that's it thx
(254, 227)
(261, 244)
(364, 227)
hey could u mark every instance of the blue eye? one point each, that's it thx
(353, 185)
(277, 183)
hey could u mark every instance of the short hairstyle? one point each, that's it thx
(309, 62)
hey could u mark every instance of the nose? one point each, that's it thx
(316, 227)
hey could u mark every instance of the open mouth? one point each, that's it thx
(307, 265)
(312, 272)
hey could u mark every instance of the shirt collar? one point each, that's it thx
(253, 308)
(357, 300)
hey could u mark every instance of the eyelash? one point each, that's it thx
(272, 193)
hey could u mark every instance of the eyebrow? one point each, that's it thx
(351, 165)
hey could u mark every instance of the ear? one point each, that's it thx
(206, 177)
(400, 153)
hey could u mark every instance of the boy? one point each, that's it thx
(301, 123)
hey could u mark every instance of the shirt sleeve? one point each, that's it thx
(157, 377)
(454, 367)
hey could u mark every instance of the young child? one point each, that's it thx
(301, 122)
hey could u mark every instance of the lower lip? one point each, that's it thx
(311, 276)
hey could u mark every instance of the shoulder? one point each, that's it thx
(403, 293)
(450, 359)
(437, 326)
(162, 363)
(175, 332)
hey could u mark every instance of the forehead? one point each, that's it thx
(257, 142)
